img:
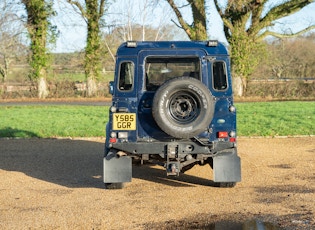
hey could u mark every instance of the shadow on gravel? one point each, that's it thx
(70, 163)
(75, 163)
(145, 172)
(235, 221)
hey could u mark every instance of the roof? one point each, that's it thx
(133, 47)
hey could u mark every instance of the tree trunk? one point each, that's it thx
(199, 16)
(3, 73)
(42, 88)
(91, 87)
(238, 86)
(92, 49)
(38, 12)
(92, 12)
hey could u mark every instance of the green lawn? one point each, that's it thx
(276, 118)
(253, 119)
(53, 121)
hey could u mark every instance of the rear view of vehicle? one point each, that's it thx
(172, 105)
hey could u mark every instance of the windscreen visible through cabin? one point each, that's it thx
(160, 69)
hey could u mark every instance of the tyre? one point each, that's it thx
(114, 185)
(183, 107)
(226, 184)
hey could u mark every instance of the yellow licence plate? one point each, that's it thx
(124, 121)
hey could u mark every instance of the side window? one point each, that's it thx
(126, 76)
(219, 75)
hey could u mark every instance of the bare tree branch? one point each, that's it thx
(80, 7)
(280, 11)
(282, 35)
(257, 11)
(102, 8)
(218, 8)
(110, 52)
(180, 18)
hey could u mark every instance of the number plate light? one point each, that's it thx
(123, 135)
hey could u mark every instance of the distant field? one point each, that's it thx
(254, 119)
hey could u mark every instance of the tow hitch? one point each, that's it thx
(172, 160)
(172, 168)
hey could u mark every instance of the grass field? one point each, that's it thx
(53, 121)
(254, 119)
(276, 118)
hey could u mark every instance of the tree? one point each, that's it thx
(147, 20)
(10, 37)
(10, 49)
(246, 23)
(288, 58)
(38, 26)
(113, 39)
(92, 12)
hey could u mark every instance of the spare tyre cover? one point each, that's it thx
(183, 107)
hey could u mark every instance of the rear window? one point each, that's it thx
(160, 69)
(126, 76)
(219, 75)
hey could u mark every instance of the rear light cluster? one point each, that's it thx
(120, 135)
(224, 134)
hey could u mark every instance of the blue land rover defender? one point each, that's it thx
(172, 104)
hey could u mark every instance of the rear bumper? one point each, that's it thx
(189, 147)
(226, 162)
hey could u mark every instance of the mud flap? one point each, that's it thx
(227, 167)
(117, 169)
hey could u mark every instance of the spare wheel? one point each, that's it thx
(183, 107)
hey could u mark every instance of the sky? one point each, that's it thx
(72, 27)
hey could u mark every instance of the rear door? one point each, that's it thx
(156, 67)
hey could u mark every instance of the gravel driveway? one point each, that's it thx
(57, 184)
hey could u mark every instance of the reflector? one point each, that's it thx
(223, 134)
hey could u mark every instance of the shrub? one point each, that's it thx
(293, 89)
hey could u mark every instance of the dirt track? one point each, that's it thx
(57, 184)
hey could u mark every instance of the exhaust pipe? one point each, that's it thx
(120, 154)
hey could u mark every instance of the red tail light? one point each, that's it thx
(223, 134)
(112, 140)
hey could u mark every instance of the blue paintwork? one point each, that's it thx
(140, 102)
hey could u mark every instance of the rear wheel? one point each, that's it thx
(226, 184)
(220, 184)
(114, 185)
